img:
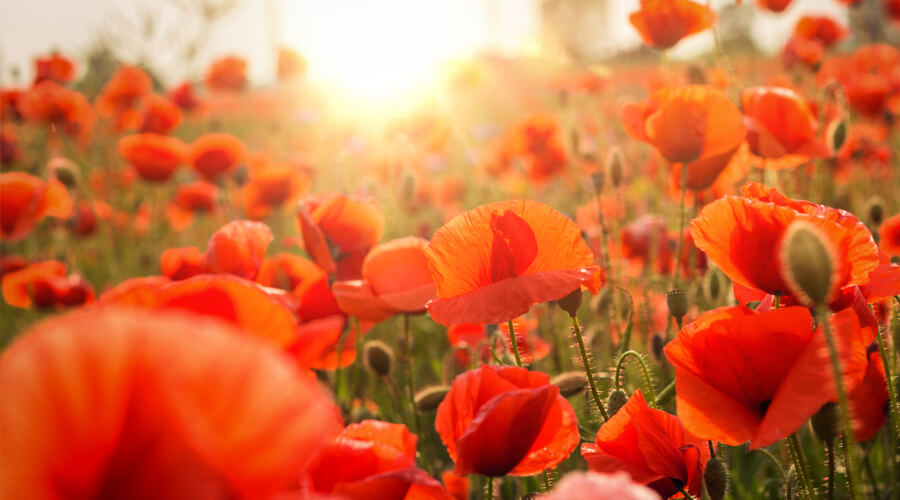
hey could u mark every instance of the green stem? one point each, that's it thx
(629, 323)
(665, 393)
(685, 493)
(852, 469)
(548, 483)
(800, 466)
(829, 449)
(489, 488)
(512, 340)
(892, 389)
(586, 361)
(684, 172)
(409, 372)
(645, 373)
(768, 454)
(867, 464)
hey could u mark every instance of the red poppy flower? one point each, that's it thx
(190, 199)
(182, 263)
(500, 421)
(156, 157)
(84, 219)
(780, 126)
(538, 141)
(491, 264)
(25, 200)
(892, 9)
(238, 248)
(646, 242)
(867, 77)
(10, 150)
(663, 23)
(395, 280)
(742, 235)
(822, 29)
(51, 104)
(457, 486)
(123, 91)
(290, 64)
(595, 486)
(318, 344)
(11, 263)
(745, 376)
(45, 285)
(349, 225)
(161, 115)
(213, 155)
(146, 404)
(183, 96)
(55, 67)
(773, 5)
(652, 446)
(272, 186)
(889, 235)
(228, 73)
(302, 277)
(870, 399)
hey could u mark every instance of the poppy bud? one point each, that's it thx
(808, 263)
(678, 304)
(875, 210)
(615, 164)
(64, 170)
(716, 478)
(616, 400)
(836, 134)
(598, 178)
(241, 175)
(570, 383)
(378, 357)
(656, 345)
(429, 398)
(713, 286)
(825, 423)
(570, 303)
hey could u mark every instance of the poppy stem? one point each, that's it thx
(768, 454)
(850, 457)
(629, 323)
(684, 172)
(666, 393)
(513, 341)
(800, 466)
(588, 370)
(605, 262)
(409, 372)
(829, 449)
(685, 493)
(645, 373)
(892, 389)
(489, 488)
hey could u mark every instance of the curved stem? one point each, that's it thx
(645, 373)
(409, 372)
(666, 393)
(768, 454)
(684, 172)
(489, 488)
(586, 361)
(800, 466)
(513, 341)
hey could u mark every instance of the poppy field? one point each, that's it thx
(647, 278)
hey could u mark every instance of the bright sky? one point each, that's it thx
(345, 40)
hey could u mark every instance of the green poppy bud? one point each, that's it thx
(570, 303)
(429, 398)
(716, 478)
(808, 263)
(616, 400)
(678, 304)
(378, 357)
(570, 383)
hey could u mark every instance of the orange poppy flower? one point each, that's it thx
(822, 29)
(694, 124)
(145, 402)
(183, 96)
(123, 91)
(500, 421)
(212, 155)
(745, 376)
(538, 141)
(372, 459)
(773, 5)
(647, 238)
(290, 64)
(318, 343)
(395, 280)
(182, 263)
(457, 486)
(531, 347)
(780, 126)
(302, 277)
(227, 73)
(55, 67)
(663, 23)
(161, 115)
(156, 157)
(867, 77)
(238, 248)
(190, 199)
(652, 446)
(10, 150)
(45, 285)
(491, 264)
(889, 235)
(272, 186)
(25, 200)
(595, 486)
(742, 235)
(51, 104)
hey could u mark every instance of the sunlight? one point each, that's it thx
(380, 50)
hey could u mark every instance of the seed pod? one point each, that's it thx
(713, 286)
(678, 304)
(616, 400)
(570, 303)
(716, 478)
(570, 383)
(808, 263)
(429, 398)
(378, 357)
(825, 423)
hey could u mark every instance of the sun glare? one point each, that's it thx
(379, 49)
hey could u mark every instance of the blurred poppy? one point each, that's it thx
(395, 280)
(870, 399)
(663, 23)
(325, 343)
(773, 5)
(595, 486)
(746, 376)
(53, 105)
(183, 96)
(646, 243)
(780, 126)
(822, 29)
(272, 186)
(25, 200)
(11, 263)
(238, 248)
(866, 77)
(491, 264)
(146, 404)
(161, 115)
(84, 219)
(123, 92)
(892, 9)
(182, 263)
(156, 157)
(889, 236)
(652, 446)
(499, 421)
(304, 279)
(194, 198)
(531, 347)
(696, 124)
(45, 285)
(538, 141)
(227, 73)
(290, 64)
(742, 236)
(212, 155)
(54, 67)
(10, 150)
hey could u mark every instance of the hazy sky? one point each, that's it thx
(29, 28)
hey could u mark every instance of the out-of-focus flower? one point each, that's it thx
(45, 285)
(161, 115)
(182, 263)
(889, 236)
(156, 157)
(227, 73)
(53, 105)
(121, 95)
(183, 96)
(290, 64)
(54, 67)
(663, 23)
(25, 200)
(213, 155)
(867, 77)
(272, 186)
(198, 197)
(596, 486)
(781, 127)
(773, 5)
(238, 248)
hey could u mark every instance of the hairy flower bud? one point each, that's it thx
(716, 478)
(616, 400)
(678, 304)
(825, 423)
(615, 165)
(570, 383)
(570, 303)
(836, 134)
(429, 398)
(378, 357)
(808, 263)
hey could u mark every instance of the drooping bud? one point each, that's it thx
(825, 423)
(570, 303)
(678, 304)
(616, 400)
(713, 286)
(378, 357)
(836, 134)
(570, 383)
(808, 263)
(615, 165)
(429, 398)
(598, 178)
(657, 343)
(65, 171)
(716, 478)
(875, 210)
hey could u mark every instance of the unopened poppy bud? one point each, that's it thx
(615, 165)
(429, 398)
(875, 210)
(378, 357)
(241, 175)
(836, 134)
(64, 170)
(825, 423)
(570, 383)
(716, 478)
(713, 286)
(657, 343)
(808, 263)
(598, 178)
(616, 400)
(570, 303)
(678, 304)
